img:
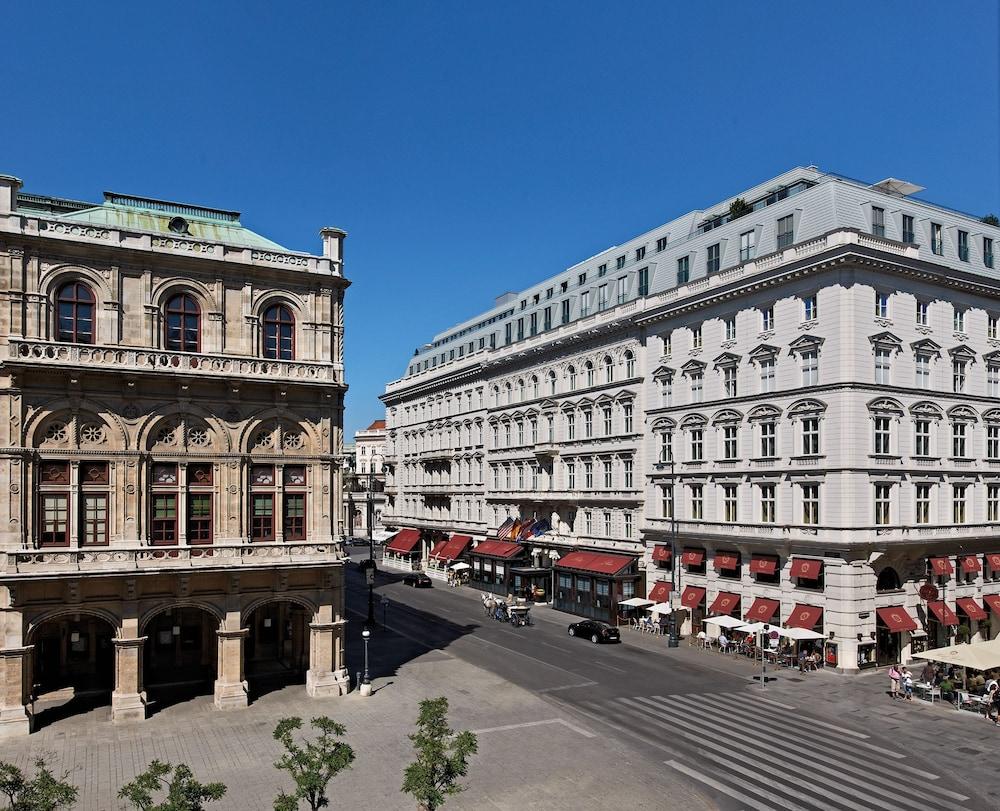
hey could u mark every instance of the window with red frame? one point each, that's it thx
(183, 324)
(279, 333)
(75, 314)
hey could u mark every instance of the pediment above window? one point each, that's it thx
(726, 359)
(805, 343)
(764, 352)
(886, 340)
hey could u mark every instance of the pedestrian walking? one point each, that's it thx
(907, 678)
(894, 681)
(928, 673)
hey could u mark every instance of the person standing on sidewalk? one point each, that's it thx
(907, 678)
(894, 681)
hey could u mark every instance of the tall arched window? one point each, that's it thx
(629, 364)
(279, 333)
(75, 321)
(609, 370)
(183, 333)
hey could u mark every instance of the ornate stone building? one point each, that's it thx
(172, 395)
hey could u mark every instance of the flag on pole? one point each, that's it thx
(526, 529)
(515, 529)
(541, 527)
(504, 529)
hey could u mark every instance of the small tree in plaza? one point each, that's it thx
(183, 792)
(313, 765)
(442, 757)
(43, 792)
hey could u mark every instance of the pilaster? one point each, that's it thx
(327, 675)
(15, 681)
(230, 684)
(128, 701)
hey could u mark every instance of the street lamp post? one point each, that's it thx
(672, 640)
(370, 505)
(366, 684)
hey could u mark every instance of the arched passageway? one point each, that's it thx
(277, 646)
(180, 656)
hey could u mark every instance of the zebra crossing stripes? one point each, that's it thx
(766, 757)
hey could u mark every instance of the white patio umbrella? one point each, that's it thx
(725, 621)
(661, 608)
(799, 634)
(635, 602)
(458, 567)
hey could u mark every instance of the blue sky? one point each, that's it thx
(471, 148)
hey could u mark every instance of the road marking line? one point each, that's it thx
(756, 697)
(609, 667)
(563, 721)
(812, 723)
(735, 794)
(758, 740)
(566, 687)
(564, 650)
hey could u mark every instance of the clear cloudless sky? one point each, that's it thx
(475, 147)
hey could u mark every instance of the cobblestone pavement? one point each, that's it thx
(530, 756)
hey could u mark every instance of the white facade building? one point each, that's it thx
(366, 459)
(787, 408)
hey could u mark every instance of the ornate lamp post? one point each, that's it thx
(366, 684)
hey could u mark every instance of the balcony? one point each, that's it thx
(110, 560)
(546, 450)
(140, 361)
(566, 496)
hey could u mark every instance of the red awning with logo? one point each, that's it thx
(805, 616)
(693, 557)
(972, 609)
(763, 565)
(993, 558)
(595, 562)
(724, 603)
(661, 553)
(762, 610)
(404, 541)
(993, 601)
(896, 619)
(660, 592)
(726, 561)
(498, 549)
(944, 614)
(437, 548)
(941, 566)
(970, 563)
(451, 549)
(692, 596)
(806, 567)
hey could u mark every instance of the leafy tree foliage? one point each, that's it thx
(312, 764)
(43, 792)
(991, 219)
(739, 208)
(442, 757)
(183, 792)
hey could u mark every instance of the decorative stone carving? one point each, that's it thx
(92, 434)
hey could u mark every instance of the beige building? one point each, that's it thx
(365, 482)
(172, 399)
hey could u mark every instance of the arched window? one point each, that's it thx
(75, 304)
(589, 367)
(279, 333)
(572, 377)
(629, 364)
(183, 332)
(888, 580)
(552, 383)
(609, 370)
(534, 387)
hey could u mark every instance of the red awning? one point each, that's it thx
(970, 563)
(498, 549)
(595, 562)
(661, 553)
(944, 614)
(692, 596)
(404, 541)
(762, 610)
(452, 549)
(941, 566)
(896, 619)
(972, 609)
(726, 561)
(808, 568)
(993, 601)
(805, 616)
(763, 565)
(993, 558)
(438, 546)
(725, 602)
(660, 592)
(693, 557)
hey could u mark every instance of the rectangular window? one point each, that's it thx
(606, 412)
(607, 524)
(602, 297)
(767, 318)
(581, 279)
(958, 320)
(810, 436)
(54, 519)
(881, 304)
(164, 524)
(923, 369)
(588, 522)
(748, 241)
(922, 437)
(520, 329)
(768, 511)
(620, 262)
(547, 318)
(810, 368)
(729, 381)
(729, 447)
(923, 503)
(937, 242)
(731, 328)
(95, 519)
(570, 476)
(644, 281)
(661, 244)
(993, 441)
(588, 423)
(993, 503)
(713, 258)
(963, 245)
(697, 502)
(640, 253)
(810, 308)
(627, 524)
(602, 270)
(882, 502)
(608, 484)
(993, 379)
(696, 340)
(882, 435)
(622, 289)
(991, 326)
(588, 475)
(683, 270)
(766, 375)
(666, 446)
(627, 417)
(199, 518)
(729, 503)
(878, 221)
(507, 334)
(958, 503)
(785, 231)
(810, 504)
(768, 444)
(533, 324)
(565, 311)
(908, 236)
(570, 425)
(697, 387)
(988, 252)
(958, 376)
(666, 502)
(883, 361)
(697, 445)
(922, 313)
(262, 517)
(628, 468)
(959, 435)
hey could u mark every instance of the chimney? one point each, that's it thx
(333, 243)
(8, 193)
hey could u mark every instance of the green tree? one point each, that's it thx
(183, 792)
(991, 219)
(43, 792)
(739, 208)
(442, 757)
(313, 765)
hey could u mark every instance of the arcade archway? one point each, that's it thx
(277, 646)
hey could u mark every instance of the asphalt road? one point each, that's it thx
(699, 715)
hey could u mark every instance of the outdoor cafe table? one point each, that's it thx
(926, 692)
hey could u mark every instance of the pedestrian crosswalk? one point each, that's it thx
(756, 753)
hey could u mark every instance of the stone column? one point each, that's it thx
(15, 683)
(128, 701)
(230, 682)
(327, 675)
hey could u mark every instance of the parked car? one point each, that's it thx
(595, 630)
(418, 580)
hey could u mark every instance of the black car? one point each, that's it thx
(595, 630)
(418, 580)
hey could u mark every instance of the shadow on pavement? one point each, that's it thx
(52, 709)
